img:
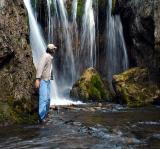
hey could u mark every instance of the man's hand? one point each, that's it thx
(37, 83)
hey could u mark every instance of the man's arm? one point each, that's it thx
(40, 70)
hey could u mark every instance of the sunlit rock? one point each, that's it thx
(135, 88)
(90, 87)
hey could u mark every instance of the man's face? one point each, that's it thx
(53, 53)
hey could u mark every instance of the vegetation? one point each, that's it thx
(80, 8)
(113, 5)
(90, 87)
(134, 87)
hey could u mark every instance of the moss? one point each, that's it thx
(17, 112)
(5, 114)
(80, 8)
(98, 87)
(94, 93)
(134, 87)
(90, 87)
(22, 111)
(69, 8)
(113, 5)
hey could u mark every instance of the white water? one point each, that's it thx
(36, 40)
(38, 48)
(116, 58)
(49, 20)
(74, 10)
(65, 101)
(2, 4)
(75, 38)
(67, 69)
(66, 33)
(88, 31)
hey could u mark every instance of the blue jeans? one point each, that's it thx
(44, 98)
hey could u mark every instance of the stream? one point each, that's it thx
(95, 126)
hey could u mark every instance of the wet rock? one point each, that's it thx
(135, 88)
(16, 67)
(141, 26)
(90, 87)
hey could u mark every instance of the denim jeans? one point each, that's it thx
(44, 98)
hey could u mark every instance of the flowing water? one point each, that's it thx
(49, 20)
(88, 31)
(102, 126)
(77, 44)
(38, 46)
(2, 4)
(36, 39)
(116, 54)
(64, 32)
(66, 62)
(89, 127)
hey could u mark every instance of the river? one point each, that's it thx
(95, 126)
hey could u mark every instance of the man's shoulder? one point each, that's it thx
(47, 56)
(44, 55)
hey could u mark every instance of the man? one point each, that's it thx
(43, 77)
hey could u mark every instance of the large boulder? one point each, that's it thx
(135, 88)
(90, 87)
(17, 72)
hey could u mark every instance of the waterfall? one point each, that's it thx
(38, 48)
(74, 10)
(66, 60)
(116, 55)
(75, 37)
(36, 39)
(49, 20)
(88, 43)
(2, 4)
(76, 49)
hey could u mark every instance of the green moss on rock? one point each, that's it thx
(18, 112)
(134, 87)
(80, 8)
(113, 5)
(90, 87)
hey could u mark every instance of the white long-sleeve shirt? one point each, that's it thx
(44, 67)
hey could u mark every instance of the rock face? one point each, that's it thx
(141, 23)
(90, 87)
(135, 89)
(16, 67)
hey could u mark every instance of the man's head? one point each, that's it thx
(51, 48)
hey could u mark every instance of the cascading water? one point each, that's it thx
(2, 2)
(36, 40)
(76, 51)
(67, 70)
(74, 10)
(75, 37)
(38, 48)
(117, 59)
(49, 20)
(88, 31)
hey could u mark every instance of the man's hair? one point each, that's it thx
(50, 51)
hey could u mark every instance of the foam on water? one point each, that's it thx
(64, 101)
